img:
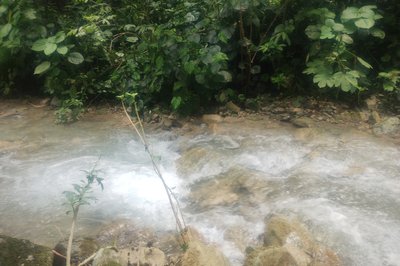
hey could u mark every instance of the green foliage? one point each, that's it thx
(70, 111)
(391, 80)
(333, 62)
(81, 195)
(188, 54)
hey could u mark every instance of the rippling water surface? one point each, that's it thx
(342, 184)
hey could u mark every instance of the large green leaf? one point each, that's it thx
(62, 50)
(42, 67)
(60, 36)
(39, 45)
(75, 58)
(326, 33)
(364, 23)
(349, 14)
(50, 48)
(5, 30)
(313, 32)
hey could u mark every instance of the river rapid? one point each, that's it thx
(341, 183)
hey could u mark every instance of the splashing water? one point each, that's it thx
(343, 186)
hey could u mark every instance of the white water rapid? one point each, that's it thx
(343, 185)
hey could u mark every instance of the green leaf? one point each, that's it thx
(313, 32)
(364, 23)
(326, 33)
(5, 30)
(132, 39)
(39, 45)
(189, 66)
(338, 27)
(364, 63)
(176, 102)
(329, 22)
(349, 14)
(50, 48)
(159, 62)
(30, 14)
(75, 58)
(378, 33)
(347, 39)
(226, 75)
(60, 36)
(42, 67)
(63, 50)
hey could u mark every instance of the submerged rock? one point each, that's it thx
(18, 252)
(226, 189)
(289, 243)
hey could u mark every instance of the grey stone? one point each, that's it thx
(390, 125)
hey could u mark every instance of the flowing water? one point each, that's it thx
(343, 185)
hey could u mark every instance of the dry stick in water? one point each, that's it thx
(180, 222)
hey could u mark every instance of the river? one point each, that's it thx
(341, 183)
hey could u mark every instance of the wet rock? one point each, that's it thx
(289, 243)
(18, 252)
(123, 234)
(364, 116)
(278, 110)
(55, 102)
(372, 103)
(107, 257)
(211, 118)
(149, 256)
(81, 250)
(194, 160)
(233, 107)
(141, 256)
(277, 256)
(226, 189)
(375, 117)
(303, 122)
(280, 231)
(167, 123)
(388, 126)
(200, 254)
(297, 111)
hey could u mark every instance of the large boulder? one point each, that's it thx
(18, 252)
(198, 253)
(287, 242)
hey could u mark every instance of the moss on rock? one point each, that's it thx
(15, 251)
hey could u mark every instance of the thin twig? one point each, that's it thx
(180, 222)
(88, 259)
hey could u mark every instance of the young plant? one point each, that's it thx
(81, 195)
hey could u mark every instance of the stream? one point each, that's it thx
(342, 184)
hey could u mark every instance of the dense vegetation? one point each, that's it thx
(190, 53)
